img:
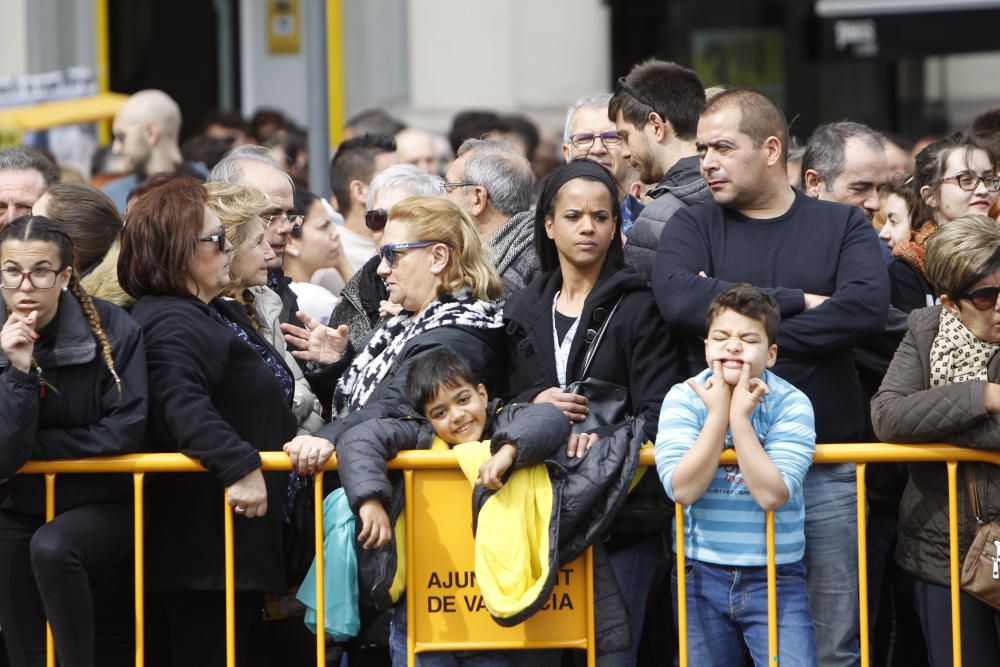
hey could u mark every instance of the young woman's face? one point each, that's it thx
(897, 221)
(582, 226)
(248, 261)
(948, 200)
(41, 260)
(318, 243)
(208, 269)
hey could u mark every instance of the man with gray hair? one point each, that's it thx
(846, 162)
(25, 173)
(491, 181)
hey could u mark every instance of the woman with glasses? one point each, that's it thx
(219, 395)
(72, 385)
(953, 177)
(943, 385)
(585, 288)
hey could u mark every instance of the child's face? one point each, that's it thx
(735, 340)
(458, 414)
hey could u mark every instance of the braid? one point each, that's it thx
(95, 326)
(248, 303)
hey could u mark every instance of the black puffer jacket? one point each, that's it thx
(81, 415)
(907, 410)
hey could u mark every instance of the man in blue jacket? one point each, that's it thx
(821, 262)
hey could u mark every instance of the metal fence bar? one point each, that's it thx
(682, 633)
(320, 571)
(862, 563)
(138, 531)
(956, 610)
(230, 585)
(772, 593)
(50, 513)
(411, 574)
(591, 612)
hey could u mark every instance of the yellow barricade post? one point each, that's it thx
(445, 608)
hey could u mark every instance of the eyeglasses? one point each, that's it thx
(969, 182)
(217, 239)
(984, 298)
(294, 218)
(585, 140)
(376, 219)
(39, 278)
(620, 86)
(458, 184)
(391, 251)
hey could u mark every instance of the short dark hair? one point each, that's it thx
(472, 124)
(161, 235)
(760, 117)
(355, 161)
(431, 371)
(232, 120)
(374, 121)
(89, 217)
(676, 92)
(826, 151)
(986, 129)
(748, 301)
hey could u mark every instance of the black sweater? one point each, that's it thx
(817, 247)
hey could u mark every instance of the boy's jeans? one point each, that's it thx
(727, 608)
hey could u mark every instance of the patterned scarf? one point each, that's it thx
(372, 364)
(514, 237)
(956, 354)
(912, 252)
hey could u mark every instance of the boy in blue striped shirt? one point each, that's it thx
(737, 403)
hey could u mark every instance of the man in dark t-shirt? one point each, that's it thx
(822, 264)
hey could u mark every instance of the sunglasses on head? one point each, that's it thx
(391, 251)
(376, 219)
(983, 298)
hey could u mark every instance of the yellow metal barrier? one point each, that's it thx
(860, 454)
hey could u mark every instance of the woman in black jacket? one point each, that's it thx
(551, 325)
(220, 394)
(72, 385)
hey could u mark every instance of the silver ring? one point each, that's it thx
(239, 509)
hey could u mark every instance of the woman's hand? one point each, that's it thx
(308, 453)
(388, 308)
(17, 339)
(248, 495)
(496, 466)
(376, 530)
(574, 406)
(316, 342)
(579, 443)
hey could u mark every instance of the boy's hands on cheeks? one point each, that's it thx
(376, 530)
(747, 393)
(495, 468)
(716, 394)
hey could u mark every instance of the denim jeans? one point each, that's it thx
(634, 568)
(727, 610)
(831, 561)
(397, 651)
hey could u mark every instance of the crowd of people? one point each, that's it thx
(685, 280)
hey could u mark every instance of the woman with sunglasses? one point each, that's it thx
(955, 176)
(943, 385)
(551, 323)
(72, 385)
(216, 397)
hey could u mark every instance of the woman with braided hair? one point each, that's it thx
(72, 385)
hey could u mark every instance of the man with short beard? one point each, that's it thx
(655, 109)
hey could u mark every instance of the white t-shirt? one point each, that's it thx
(357, 247)
(315, 301)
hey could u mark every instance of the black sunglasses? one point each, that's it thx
(376, 219)
(217, 239)
(621, 86)
(983, 298)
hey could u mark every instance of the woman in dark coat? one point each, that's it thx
(220, 394)
(72, 385)
(550, 325)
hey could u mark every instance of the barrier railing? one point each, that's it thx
(860, 454)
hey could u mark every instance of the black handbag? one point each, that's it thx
(607, 402)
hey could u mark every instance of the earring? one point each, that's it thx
(65, 289)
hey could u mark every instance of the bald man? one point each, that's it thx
(415, 146)
(146, 130)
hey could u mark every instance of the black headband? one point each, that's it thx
(581, 167)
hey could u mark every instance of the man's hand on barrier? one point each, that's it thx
(578, 443)
(308, 453)
(496, 466)
(316, 342)
(248, 495)
(376, 529)
(574, 406)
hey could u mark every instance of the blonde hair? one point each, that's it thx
(439, 219)
(962, 253)
(236, 205)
